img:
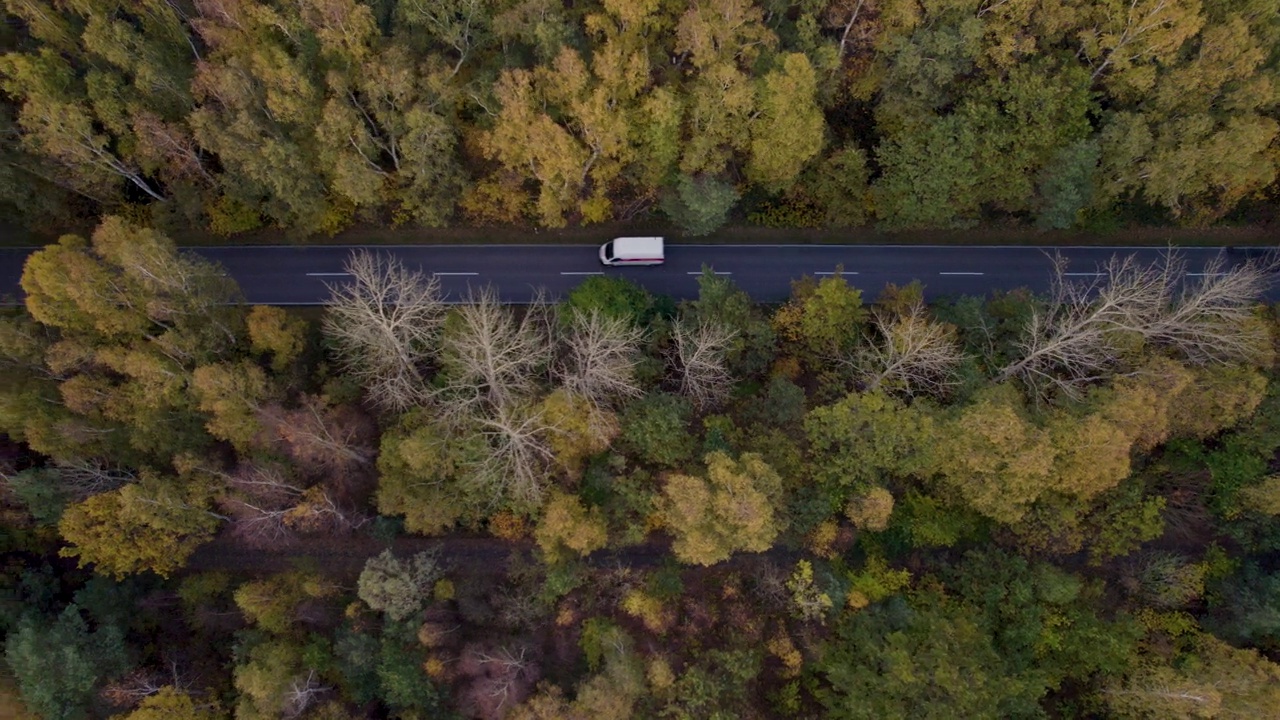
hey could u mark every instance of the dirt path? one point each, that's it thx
(343, 558)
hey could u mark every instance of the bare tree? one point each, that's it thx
(515, 465)
(1076, 338)
(1214, 320)
(492, 358)
(499, 678)
(325, 437)
(259, 504)
(600, 357)
(912, 353)
(699, 354)
(303, 692)
(81, 479)
(384, 324)
(1087, 328)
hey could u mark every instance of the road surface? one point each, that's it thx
(299, 275)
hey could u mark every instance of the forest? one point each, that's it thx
(306, 117)
(613, 505)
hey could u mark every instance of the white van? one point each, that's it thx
(632, 251)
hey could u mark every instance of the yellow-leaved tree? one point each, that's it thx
(567, 525)
(729, 510)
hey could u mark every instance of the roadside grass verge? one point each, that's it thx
(1246, 235)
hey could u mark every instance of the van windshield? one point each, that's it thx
(608, 250)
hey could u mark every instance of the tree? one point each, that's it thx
(825, 318)
(577, 429)
(656, 428)
(722, 31)
(260, 96)
(173, 704)
(995, 458)
(419, 464)
(1127, 39)
(729, 510)
(870, 510)
(929, 175)
(612, 296)
(912, 353)
(1087, 328)
(273, 681)
(490, 358)
(384, 324)
(1193, 132)
(323, 439)
(273, 332)
(1066, 186)
(600, 356)
(869, 438)
(399, 587)
(722, 303)
(787, 130)
(567, 525)
(153, 525)
(233, 394)
(700, 353)
(1215, 680)
(699, 205)
(927, 658)
(59, 663)
(134, 318)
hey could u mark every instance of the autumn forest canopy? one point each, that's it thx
(612, 505)
(308, 116)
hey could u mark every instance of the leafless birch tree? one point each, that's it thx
(600, 357)
(385, 323)
(699, 354)
(912, 353)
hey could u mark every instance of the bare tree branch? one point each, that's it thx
(1214, 320)
(384, 324)
(600, 357)
(699, 354)
(912, 353)
(492, 358)
(516, 465)
(1089, 327)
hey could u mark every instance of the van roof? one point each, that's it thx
(637, 247)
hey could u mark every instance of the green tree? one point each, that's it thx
(924, 658)
(825, 319)
(59, 662)
(699, 205)
(1066, 185)
(722, 303)
(656, 428)
(399, 587)
(929, 175)
(729, 510)
(869, 438)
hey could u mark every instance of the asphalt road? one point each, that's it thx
(294, 275)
